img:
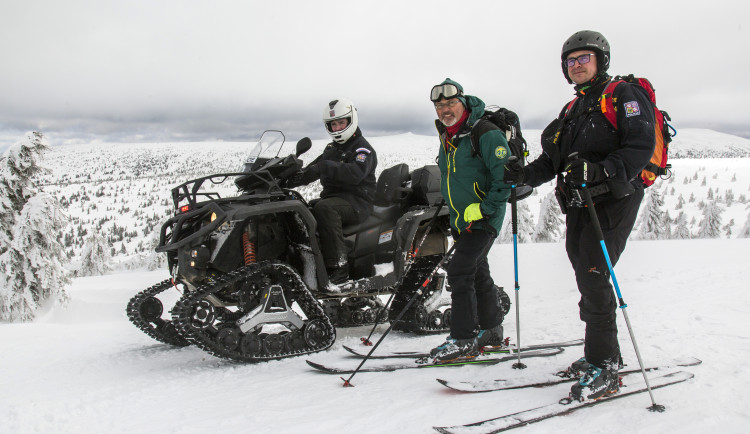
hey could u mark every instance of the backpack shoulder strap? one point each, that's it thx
(478, 129)
(607, 103)
(569, 107)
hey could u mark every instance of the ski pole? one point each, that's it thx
(623, 305)
(366, 341)
(514, 226)
(347, 382)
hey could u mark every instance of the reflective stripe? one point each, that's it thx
(480, 194)
(448, 184)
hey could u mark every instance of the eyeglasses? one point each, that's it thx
(582, 60)
(444, 90)
(449, 103)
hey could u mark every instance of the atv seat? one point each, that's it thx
(390, 196)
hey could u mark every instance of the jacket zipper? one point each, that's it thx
(452, 167)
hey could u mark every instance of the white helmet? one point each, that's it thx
(341, 108)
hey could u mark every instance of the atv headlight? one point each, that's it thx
(199, 257)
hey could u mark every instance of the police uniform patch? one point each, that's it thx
(361, 157)
(501, 152)
(631, 108)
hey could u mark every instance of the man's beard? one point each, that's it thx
(455, 119)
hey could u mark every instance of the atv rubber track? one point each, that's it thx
(295, 290)
(159, 329)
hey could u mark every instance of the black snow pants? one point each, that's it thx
(598, 305)
(332, 214)
(474, 299)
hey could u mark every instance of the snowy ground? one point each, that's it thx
(87, 369)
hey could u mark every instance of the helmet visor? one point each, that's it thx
(446, 91)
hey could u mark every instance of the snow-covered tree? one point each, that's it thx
(18, 166)
(525, 225)
(729, 197)
(550, 224)
(745, 231)
(32, 266)
(668, 220)
(710, 225)
(652, 224)
(147, 258)
(728, 228)
(681, 230)
(95, 256)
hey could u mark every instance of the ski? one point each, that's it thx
(526, 417)
(505, 349)
(479, 386)
(480, 360)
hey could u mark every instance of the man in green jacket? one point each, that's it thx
(472, 186)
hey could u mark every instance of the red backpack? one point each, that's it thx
(657, 166)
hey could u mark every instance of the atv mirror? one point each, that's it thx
(303, 145)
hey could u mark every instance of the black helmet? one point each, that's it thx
(587, 40)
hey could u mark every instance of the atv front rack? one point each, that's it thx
(188, 193)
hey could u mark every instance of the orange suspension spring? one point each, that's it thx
(248, 249)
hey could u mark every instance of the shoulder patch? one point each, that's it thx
(362, 150)
(632, 109)
(361, 157)
(501, 152)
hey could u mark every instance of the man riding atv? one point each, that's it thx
(346, 170)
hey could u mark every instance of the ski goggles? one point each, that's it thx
(446, 91)
(582, 60)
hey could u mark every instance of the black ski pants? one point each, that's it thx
(598, 305)
(332, 214)
(474, 299)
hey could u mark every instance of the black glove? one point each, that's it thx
(582, 171)
(310, 173)
(304, 176)
(514, 172)
(294, 180)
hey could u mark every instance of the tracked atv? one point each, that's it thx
(248, 267)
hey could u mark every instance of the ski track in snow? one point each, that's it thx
(87, 369)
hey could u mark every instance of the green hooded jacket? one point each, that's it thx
(467, 179)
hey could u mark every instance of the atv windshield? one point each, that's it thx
(269, 146)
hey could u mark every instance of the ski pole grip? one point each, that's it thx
(511, 160)
(513, 209)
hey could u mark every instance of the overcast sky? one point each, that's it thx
(183, 70)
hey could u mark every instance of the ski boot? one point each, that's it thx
(491, 337)
(339, 275)
(576, 369)
(595, 383)
(453, 349)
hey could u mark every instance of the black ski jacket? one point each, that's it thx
(348, 171)
(623, 152)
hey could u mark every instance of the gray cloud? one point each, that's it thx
(83, 71)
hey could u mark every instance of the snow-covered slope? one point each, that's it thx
(87, 369)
